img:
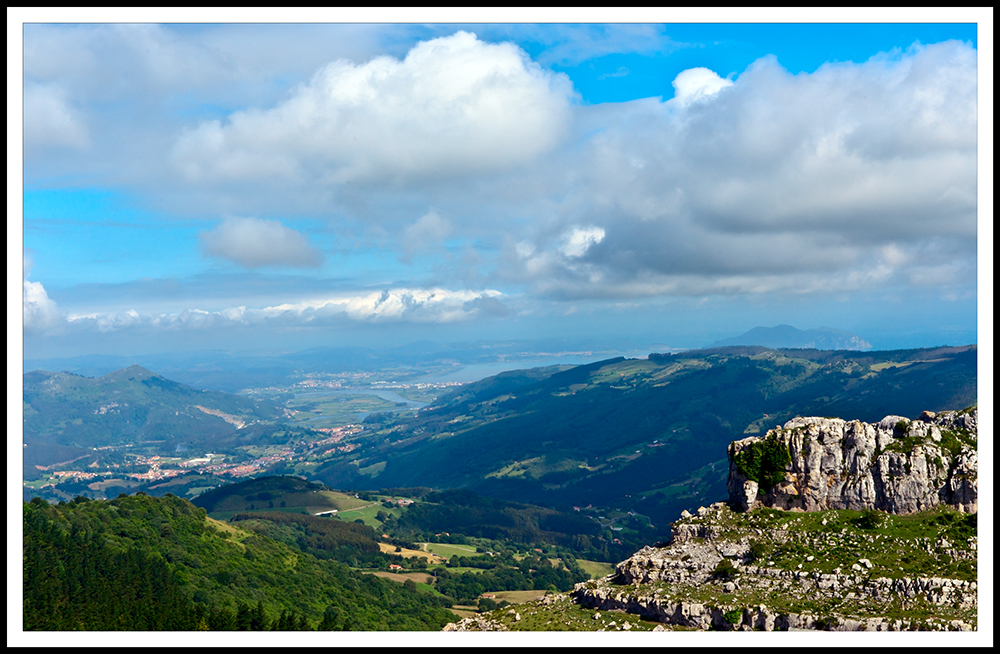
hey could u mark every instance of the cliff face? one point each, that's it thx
(896, 465)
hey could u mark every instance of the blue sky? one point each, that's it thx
(265, 186)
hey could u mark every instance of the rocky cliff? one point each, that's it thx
(831, 525)
(896, 465)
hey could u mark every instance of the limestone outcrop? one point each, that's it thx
(895, 465)
(823, 562)
(717, 573)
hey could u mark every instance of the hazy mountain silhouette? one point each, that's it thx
(786, 336)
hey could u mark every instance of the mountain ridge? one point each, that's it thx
(600, 432)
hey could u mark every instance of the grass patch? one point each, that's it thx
(448, 550)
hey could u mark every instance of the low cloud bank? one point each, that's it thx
(386, 306)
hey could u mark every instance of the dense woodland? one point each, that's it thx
(324, 538)
(142, 563)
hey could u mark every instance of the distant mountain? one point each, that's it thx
(66, 416)
(786, 336)
(232, 371)
(642, 433)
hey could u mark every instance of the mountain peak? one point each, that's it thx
(786, 336)
(134, 371)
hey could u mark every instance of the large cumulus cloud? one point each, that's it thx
(455, 104)
(39, 312)
(854, 175)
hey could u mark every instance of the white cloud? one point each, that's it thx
(255, 243)
(400, 305)
(50, 119)
(412, 305)
(696, 84)
(855, 176)
(577, 241)
(454, 105)
(39, 312)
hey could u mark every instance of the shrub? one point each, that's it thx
(764, 461)
(733, 617)
(870, 519)
(725, 570)
(758, 551)
(826, 623)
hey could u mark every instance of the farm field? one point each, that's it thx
(596, 569)
(338, 412)
(409, 554)
(418, 577)
(367, 510)
(517, 596)
(448, 550)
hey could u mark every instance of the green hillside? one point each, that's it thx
(291, 503)
(280, 493)
(66, 415)
(643, 433)
(146, 563)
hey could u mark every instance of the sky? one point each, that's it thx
(265, 186)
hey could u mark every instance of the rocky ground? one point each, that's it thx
(777, 570)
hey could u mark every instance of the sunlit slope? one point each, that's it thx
(275, 493)
(649, 428)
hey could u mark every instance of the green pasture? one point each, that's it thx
(338, 410)
(448, 550)
(596, 569)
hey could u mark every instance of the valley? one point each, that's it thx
(335, 324)
(402, 480)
